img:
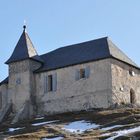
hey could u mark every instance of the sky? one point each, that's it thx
(56, 23)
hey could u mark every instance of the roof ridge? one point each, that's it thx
(75, 44)
(28, 40)
(119, 54)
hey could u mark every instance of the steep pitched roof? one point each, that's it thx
(83, 52)
(70, 55)
(24, 50)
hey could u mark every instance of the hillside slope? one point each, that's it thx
(118, 124)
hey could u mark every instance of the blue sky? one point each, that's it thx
(55, 23)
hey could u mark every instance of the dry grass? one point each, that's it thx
(106, 118)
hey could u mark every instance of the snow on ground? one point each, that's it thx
(121, 133)
(79, 126)
(39, 118)
(42, 123)
(56, 138)
(111, 127)
(14, 129)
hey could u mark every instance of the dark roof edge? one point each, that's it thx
(5, 81)
(125, 62)
(37, 71)
(36, 60)
(15, 61)
(26, 59)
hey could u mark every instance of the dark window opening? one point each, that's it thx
(82, 73)
(50, 83)
(132, 96)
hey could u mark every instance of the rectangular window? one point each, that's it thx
(82, 73)
(50, 82)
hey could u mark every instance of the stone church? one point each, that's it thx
(92, 74)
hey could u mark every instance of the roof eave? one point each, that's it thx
(5, 81)
(125, 62)
(39, 70)
(8, 62)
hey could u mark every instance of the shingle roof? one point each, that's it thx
(83, 52)
(24, 50)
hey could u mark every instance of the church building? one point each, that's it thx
(88, 75)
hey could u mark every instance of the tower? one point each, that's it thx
(22, 63)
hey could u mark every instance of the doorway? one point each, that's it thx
(132, 96)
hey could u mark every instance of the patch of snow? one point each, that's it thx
(106, 134)
(111, 127)
(56, 138)
(42, 123)
(39, 118)
(123, 132)
(14, 129)
(79, 126)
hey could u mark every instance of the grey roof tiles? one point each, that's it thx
(83, 52)
(66, 56)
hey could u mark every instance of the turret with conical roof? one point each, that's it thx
(24, 49)
(22, 64)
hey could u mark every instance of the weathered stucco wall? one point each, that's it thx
(109, 82)
(21, 82)
(123, 81)
(72, 94)
(4, 94)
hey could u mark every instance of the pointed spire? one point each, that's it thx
(24, 28)
(24, 49)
